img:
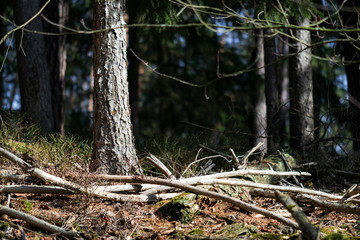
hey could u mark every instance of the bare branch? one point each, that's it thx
(38, 222)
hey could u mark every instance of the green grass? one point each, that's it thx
(24, 139)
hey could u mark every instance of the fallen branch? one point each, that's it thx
(304, 198)
(232, 200)
(16, 177)
(194, 180)
(308, 230)
(209, 181)
(33, 189)
(346, 173)
(38, 222)
(46, 177)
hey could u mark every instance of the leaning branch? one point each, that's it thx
(38, 222)
(308, 230)
(46, 177)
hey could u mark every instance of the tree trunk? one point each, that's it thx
(271, 92)
(2, 52)
(34, 78)
(113, 147)
(352, 55)
(258, 123)
(133, 79)
(283, 84)
(58, 12)
(301, 90)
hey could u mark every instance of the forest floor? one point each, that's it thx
(199, 218)
(214, 219)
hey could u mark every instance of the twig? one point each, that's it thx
(26, 23)
(288, 167)
(236, 160)
(199, 160)
(216, 152)
(38, 222)
(157, 163)
(248, 154)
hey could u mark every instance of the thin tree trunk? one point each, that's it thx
(351, 54)
(2, 51)
(301, 90)
(283, 84)
(35, 86)
(133, 79)
(259, 102)
(271, 92)
(57, 12)
(113, 147)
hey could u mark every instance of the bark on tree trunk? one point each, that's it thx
(34, 78)
(271, 92)
(351, 54)
(113, 147)
(301, 90)
(283, 83)
(259, 102)
(58, 12)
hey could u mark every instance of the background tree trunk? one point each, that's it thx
(58, 12)
(34, 78)
(258, 101)
(133, 78)
(301, 90)
(2, 51)
(113, 147)
(271, 92)
(283, 84)
(352, 69)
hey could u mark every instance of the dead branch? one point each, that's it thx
(248, 154)
(346, 173)
(33, 189)
(288, 167)
(216, 152)
(16, 177)
(313, 201)
(46, 177)
(157, 163)
(151, 189)
(234, 182)
(38, 222)
(268, 186)
(232, 200)
(308, 230)
(194, 180)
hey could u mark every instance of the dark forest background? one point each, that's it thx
(220, 114)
